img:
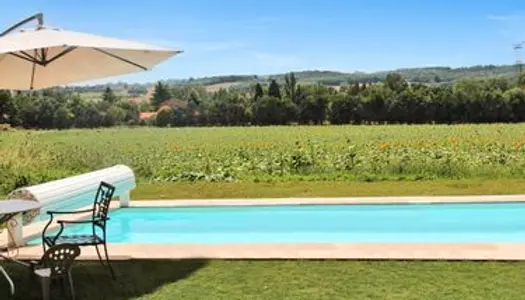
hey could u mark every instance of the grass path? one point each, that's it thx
(199, 190)
(209, 190)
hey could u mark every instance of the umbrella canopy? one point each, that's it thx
(46, 57)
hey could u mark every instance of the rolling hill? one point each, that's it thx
(426, 75)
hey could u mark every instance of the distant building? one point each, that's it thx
(147, 115)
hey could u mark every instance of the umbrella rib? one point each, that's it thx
(31, 60)
(43, 61)
(121, 58)
(29, 55)
(59, 55)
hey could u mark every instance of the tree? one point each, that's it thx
(395, 82)
(355, 89)
(259, 93)
(273, 111)
(274, 90)
(8, 112)
(130, 112)
(290, 87)
(300, 96)
(521, 80)
(375, 104)
(29, 116)
(194, 99)
(443, 105)
(314, 107)
(46, 112)
(229, 109)
(160, 94)
(164, 116)
(109, 96)
(180, 117)
(89, 117)
(62, 118)
(407, 107)
(499, 83)
(345, 109)
(516, 100)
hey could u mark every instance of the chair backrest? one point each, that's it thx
(59, 259)
(102, 201)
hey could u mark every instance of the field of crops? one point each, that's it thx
(365, 153)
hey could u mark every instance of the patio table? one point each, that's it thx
(8, 210)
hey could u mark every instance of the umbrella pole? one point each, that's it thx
(39, 17)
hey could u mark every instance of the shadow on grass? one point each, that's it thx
(135, 278)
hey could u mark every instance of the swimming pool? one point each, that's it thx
(381, 223)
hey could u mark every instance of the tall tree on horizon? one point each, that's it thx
(160, 94)
(396, 82)
(259, 92)
(274, 90)
(109, 96)
(290, 87)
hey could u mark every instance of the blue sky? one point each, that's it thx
(266, 37)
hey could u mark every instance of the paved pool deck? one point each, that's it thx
(361, 251)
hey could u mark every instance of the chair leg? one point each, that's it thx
(45, 282)
(9, 280)
(98, 254)
(64, 285)
(71, 286)
(107, 261)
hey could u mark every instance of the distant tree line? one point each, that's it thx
(60, 109)
(393, 101)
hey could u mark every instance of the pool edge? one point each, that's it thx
(309, 251)
(329, 201)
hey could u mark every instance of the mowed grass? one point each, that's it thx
(291, 280)
(210, 190)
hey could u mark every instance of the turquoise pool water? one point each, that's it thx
(318, 224)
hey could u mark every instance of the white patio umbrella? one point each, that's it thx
(44, 57)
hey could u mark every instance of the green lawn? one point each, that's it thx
(272, 280)
(206, 190)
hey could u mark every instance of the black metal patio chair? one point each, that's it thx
(99, 218)
(56, 263)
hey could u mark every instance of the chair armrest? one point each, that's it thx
(69, 212)
(80, 221)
